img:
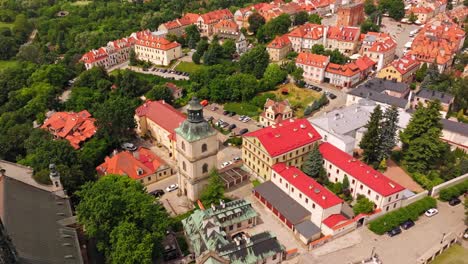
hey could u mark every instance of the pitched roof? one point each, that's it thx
(359, 170)
(103, 52)
(405, 64)
(162, 114)
(421, 10)
(74, 127)
(285, 136)
(364, 63)
(215, 16)
(136, 165)
(227, 24)
(347, 70)
(456, 127)
(147, 39)
(279, 42)
(308, 186)
(334, 219)
(443, 97)
(277, 107)
(348, 34)
(311, 59)
(309, 31)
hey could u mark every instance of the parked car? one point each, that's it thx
(157, 193)
(465, 235)
(231, 114)
(225, 112)
(431, 212)
(225, 164)
(204, 103)
(243, 131)
(235, 159)
(454, 201)
(332, 96)
(172, 187)
(224, 124)
(407, 224)
(240, 234)
(318, 89)
(129, 146)
(232, 126)
(242, 117)
(395, 231)
(246, 119)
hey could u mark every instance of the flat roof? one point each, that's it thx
(307, 229)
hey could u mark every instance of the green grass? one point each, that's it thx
(244, 108)
(456, 254)
(6, 24)
(189, 67)
(299, 98)
(7, 64)
(255, 183)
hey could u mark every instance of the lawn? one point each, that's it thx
(245, 108)
(189, 67)
(299, 98)
(81, 3)
(7, 64)
(5, 24)
(456, 254)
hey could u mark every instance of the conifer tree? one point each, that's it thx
(370, 142)
(388, 132)
(313, 165)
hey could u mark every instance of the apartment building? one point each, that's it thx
(401, 70)
(424, 96)
(343, 76)
(304, 37)
(155, 49)
(313, 66)
(275, 112)
(177, 26)
(206, 22)
(345, 39)
(384, 92)
(114, 53)
(379, 47)
(423, 13)
(279, 48)
(287, 142)
(228, 29)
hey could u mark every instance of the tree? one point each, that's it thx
(315, 19)
(213, 54)
(421, 72)
(274, 74)
(345, 185)
(318, 49)
(412, 17)
(388, 136)
(192, 35)
(132, 58)
(395, 8)
(196, 57)
(55, 74)
(363, 205)
(122, 218)
(255, 22)
(229, 48)
(313, 164)
(424, 151)
(431, 77)
(202, 46)
(29, 52)
(301, 18)
(8, 47)
(214, 191)
(160, 92)
(277, 26)
(369, 7)
(255, 61)
(370, 142)
(369, 26)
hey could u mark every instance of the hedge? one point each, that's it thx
(454, 191)
(393, 219)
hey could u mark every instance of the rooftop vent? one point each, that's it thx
(310, 135)
(324, 197)
(391, 185)
(311, 187)
(375, 176)
(294, 129)
(69, 257)
(66, 244)
(277, 135)
(368, 172)
(295, 176)
(140, 171)
(303, 126)
(317, 190)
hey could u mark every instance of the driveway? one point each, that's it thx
(399, 33)
(228, 154)
(333, 104)
(218, 114)
(405, 248)
(397, 174)
(174, 204)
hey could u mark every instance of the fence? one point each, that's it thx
(414, 198)
(436, 189)
(432, 253)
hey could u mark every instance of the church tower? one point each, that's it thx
(197, 147)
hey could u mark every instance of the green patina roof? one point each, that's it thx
(195, 131)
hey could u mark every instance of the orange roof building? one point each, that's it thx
(156, 49)
(346, 75)
(279, 48)
(206, 22)
(401, 70)
(115, 52)
(313, 66)
(74, 127)
(379, 47)
(305, 36)
(275, 112)
(142, 165)
(177, 26)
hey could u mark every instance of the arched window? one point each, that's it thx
(184, 167)
(205, 168)
(204, 148)
(183, 145)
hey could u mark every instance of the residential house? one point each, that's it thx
(438, 42)
(177, 27)
(384, 92)
(385, 193)
(458, 14)
(350, 15)
(287, 142)
(209, 232)
(157, 50)
(279, 48)
(228, 29)
(206, 22)
(313, 66)
(300, 202)
(455, 134)
(304, 37)
(379, 47)
(275, 112)
(141, 165)
(343, 76)
(114, 53)
(366, 66)
(345, 39)
(401, 70)
(74, 127)
(37, 217)
(176, 90)
(423, 13)
(423, 96)
(158, 119)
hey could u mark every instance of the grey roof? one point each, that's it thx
(260, 246)
(307, 229)
(30, 217)
(379, 85)
(457, 127)
(381, 97)
(288, 207)
(445, 98)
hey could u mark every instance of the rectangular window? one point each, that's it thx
(329, 166)
(307, 200)
(300, 195)
(368, 192)
(377, 197)
(396, 197)
(389, 199)
(250, 221)
(231, 227)
(360, 187)
(239, 225)
(149, 178)
(287, 185)
(353, 181)
(337, 171)
(281, 180)
(313, 205)
(292, 189)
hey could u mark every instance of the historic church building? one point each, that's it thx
(197, 147)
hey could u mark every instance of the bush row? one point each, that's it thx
(395, 218)
(454, 191)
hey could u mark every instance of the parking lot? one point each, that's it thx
(399, 32)
(216, 111)
(174, 204)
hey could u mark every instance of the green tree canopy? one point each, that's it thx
(214, 191)
(370, 142)
(315, 19)
(313, 165)
(255, 22)
(160, 92)
(369, 7)
(301, 18)
(363, 205)
(192, 36)
(277, 26)
(255, 61)
(369, 26)
(388, 136)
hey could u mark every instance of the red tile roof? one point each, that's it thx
(136, 165)
(359, 170)
(422, 10)
(347, 70)
(227, 24)
(103, 52)
(405, 64)
(383, 46)
(186, 20)
(286, 136)
(145, 38)
(215, 16)
(364, 63)
(334, 220)
(309, 31)
(347, 34)
(162, 114)
(74, 127)
(311, 59)
(307, 185)
(279, 42)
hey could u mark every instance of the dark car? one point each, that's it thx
(232, 114)
(243, 131)
(332, 96)
(240, 234)
(454, 201)
(232, 126)
(395, 231)
(407, 224)
(225, 112)
(318, 89)
(157, 193)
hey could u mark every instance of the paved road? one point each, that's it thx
(218, 114)
(339, 101)
(399, 34)
(401, 249)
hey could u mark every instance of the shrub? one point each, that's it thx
(42, 177)
(454, 191)
(395, 218)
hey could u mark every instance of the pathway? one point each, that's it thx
(397, 174)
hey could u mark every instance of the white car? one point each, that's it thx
(172, 187)
(431, 212)
(225, 164)
(245, 120)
